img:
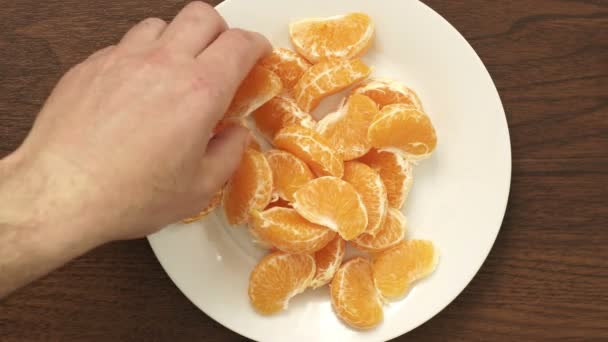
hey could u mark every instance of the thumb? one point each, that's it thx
(223, 156)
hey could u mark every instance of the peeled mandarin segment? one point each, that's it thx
(385, 92)
(250, 187)
(333, 203)
(259, 242)
(353, 296)
(288, 65)
(277, 278)
(404, 129)
(214, 202)
(397, 268)
(346, 129)
(278, 113)
(327, 78)
(312, 148)
(285, 229)
(257, 88)
(289, 173)
(328, 261)
(370, 187)
(390, 234)
(396, 173)
(344, 36)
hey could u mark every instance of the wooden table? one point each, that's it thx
(547, 276)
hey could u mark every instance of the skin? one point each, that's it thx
(123, 146)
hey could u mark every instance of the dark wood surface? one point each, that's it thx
(547, 276)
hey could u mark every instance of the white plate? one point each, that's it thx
(458, 199)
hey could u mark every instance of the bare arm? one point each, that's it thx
(123, 145)
(36, 235)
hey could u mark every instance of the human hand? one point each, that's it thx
(122, 146)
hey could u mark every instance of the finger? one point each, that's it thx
(223, 156)
(101, 53)
(144, 32)
(194, 27)
(226, 62)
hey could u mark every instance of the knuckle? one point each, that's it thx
(153, 22)
(198, 11)
(240, 37)
(247, 42)
(159, 55)
(105, 52)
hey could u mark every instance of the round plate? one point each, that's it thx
(458, 198)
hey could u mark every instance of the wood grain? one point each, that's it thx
(547, 276)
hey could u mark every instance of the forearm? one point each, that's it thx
(34, 238)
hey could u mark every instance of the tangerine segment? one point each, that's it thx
(354, 297)
(289, 173)
(346, 129)
(250, 187)
(404, 128)
(344, 36)
(277, 278)
(327, 78)
(385, 92)
(259, 242)
(288, 65)
(333, 203)
(397, 268)
(370, 187)
(328, 261)
(285, 229)
(278, 113)
(214, 202)
(396, 173)
(257, 88)
(312, 148)
(391, 233)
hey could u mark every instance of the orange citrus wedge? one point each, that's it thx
(385, 92)
(327, 78)
(333, 203)
(289, 173)
(397, 268)
(328, 261)
(250, 187)
(257, 88)
(370, 187)
(343, 36)
(353, 295)
(391, 233)
(403, 129)
(214, 202)
(278, 113)
(312, 148)
(396, 173)
(288, 65)
(277, 278)
(285, 229)
(346, 129)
